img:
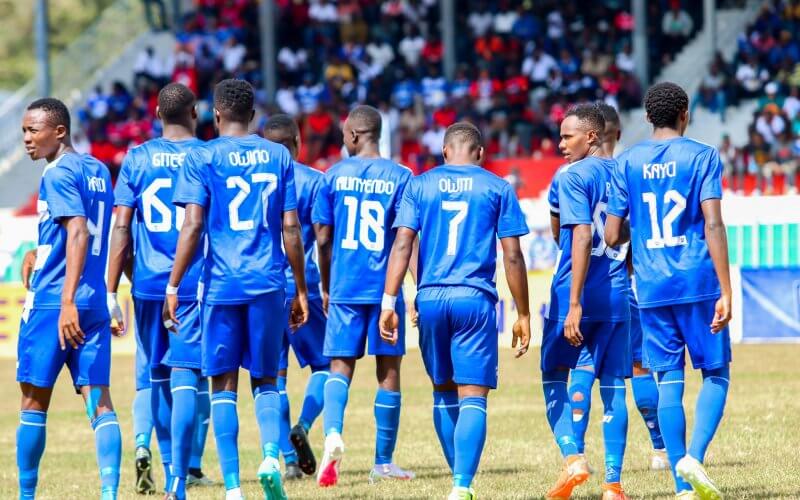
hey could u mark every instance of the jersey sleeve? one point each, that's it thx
(404, 183)
(123, 191)
(711, 185)
(63, 193)
(618, 199)
(552, 194)
(290, 192)
(511, 220)
(574, 200)
(322, 213)
(408, 211)
(191, 186)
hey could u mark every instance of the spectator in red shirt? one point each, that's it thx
(515, 87)
(446, 115)
(482, 90)
(317, 132)
(432, 51)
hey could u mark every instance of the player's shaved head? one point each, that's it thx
(282, 128)
(175, 103)
(365, 120)
(234, 100)
(55, 111)
(463, 144)
(589, 116)
(463, 134)
(666, 105)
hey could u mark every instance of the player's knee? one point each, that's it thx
(97, 401)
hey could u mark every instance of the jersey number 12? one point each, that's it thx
(662, 233)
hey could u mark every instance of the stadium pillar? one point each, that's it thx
(42, 48)
(710, 17)
(266, 16)
(448, 15)
(640, 41)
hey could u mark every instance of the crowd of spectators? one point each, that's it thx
(765, 67)
(520, 64)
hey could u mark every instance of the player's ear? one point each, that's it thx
(158, 113)
(61, 132)
(252, 114)
(216, 116)
(480, 155)
(194, 112)
(619, 134)
(446, 153)
(297, 142)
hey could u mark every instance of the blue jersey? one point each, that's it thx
(552, 193)
(307, 182)
(583, 190)
(245, 184)
(359, 197)
(459, 211)
(73, 185)
(661, 185)
(146, 183)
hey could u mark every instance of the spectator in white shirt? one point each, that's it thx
(770, 123)
(433, 140)
(411, 46)
(504, 21)
(480, 20)
(233, 54)
(148, 67)
(791, 105)
(625, 60)
(323, 11)
(537, 66)
(749, 78)
(381, 52)
(676, 26)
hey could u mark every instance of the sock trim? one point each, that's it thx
(545, 382)
(336, 379)
(32, 424)
(202, 392)
(719, 378)
(159, 380)
(671, 382)
(264, 394)
(381, 405)
(183, 388)
(321, 373)
(223, 401)
(104, 424)
(475, 407)
(612, 387)
(442, 405)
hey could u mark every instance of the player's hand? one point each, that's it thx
(298, 316)
(722, 314)
(325, 300)
(411, 310)
(28, 262)
(521, 335)
(69, 329)
(169, 313)
(117, 320)
(572, 330)
(388, 326)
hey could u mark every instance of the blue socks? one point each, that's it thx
(708, 412)
(289, 455)
(268, 414)
(314, 398)
(226, 432)
(183, 384)
(580, 397)
(202, 419)
(31, 435)
(615, 424)
(336, 392)
(161, 404)
(108, 443)
(445, 416)
(387, 423)
(468, 438)
(559, 411)
(672, 420)
(142, 418)
(645, 394)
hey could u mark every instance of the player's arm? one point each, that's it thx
(399, 260)
(717, 240)
(69, 329)
(517, 277)
(188, 239)
(581, 253)
(118, 258)
(617, 231)
(28, 263)
(555, 225)
(324, 235)
(293, 243)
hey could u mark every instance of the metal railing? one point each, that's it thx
(72, 69)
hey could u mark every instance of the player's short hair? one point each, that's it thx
(57, 112)
(664, 102)
(610, 114)
(234, 99)
(366, 120)
(463, 133)
(589, 115)
(175, 102)
(281, 128)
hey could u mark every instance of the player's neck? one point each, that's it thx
(234, 129)
(665, 133)
(62, 149)
(607, 150)
(369, 151)
(177, 132)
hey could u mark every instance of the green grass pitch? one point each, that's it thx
(754, 455)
